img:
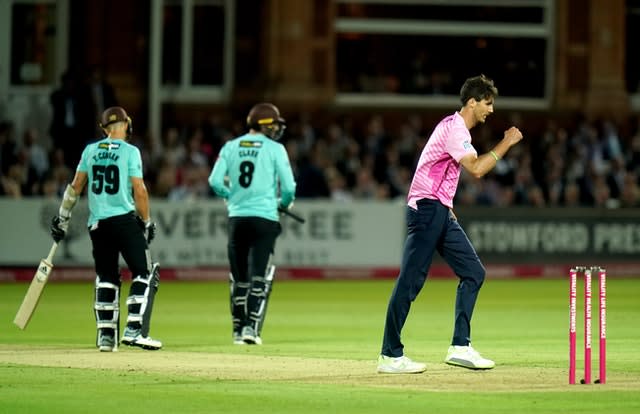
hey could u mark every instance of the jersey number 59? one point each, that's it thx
(107, 178)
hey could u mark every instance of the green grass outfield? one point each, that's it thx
(321, 342)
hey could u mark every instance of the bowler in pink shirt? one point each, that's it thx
(432, 226)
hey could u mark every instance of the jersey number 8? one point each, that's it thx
(246, 173)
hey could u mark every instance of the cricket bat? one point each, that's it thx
(294, 216)
(31, 299)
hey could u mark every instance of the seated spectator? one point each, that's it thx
(571, 196)
(338, 186)
(193, 185)
(366, 187)
(35, 152)
(15, 181)
(630, 194)
(7, 146)
(310, 178)
(60, 172)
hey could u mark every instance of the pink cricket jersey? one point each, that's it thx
(438, 169)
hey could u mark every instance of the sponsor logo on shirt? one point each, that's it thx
(108, 145)
(250, 144)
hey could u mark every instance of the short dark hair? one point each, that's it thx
(478, 87)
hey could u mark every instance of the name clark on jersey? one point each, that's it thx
(248, 153)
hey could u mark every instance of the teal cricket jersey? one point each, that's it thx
(109, 164)
(257, 173)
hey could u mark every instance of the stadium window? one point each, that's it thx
(208, 44)
(196, 49)
(409, 52)
(192, 56)
(172, 44)
(33, 51)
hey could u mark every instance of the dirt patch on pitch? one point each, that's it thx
(245, 366)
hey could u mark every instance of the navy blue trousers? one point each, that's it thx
(430, 228)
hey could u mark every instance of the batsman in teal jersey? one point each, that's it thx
(119, 224)
(253, 175)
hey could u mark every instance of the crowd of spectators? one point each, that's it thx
(586, 164)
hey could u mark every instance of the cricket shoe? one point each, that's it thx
(237, 339)
(133, 337)
(399, 365)
(250, 337)
(107, 343)
(467, 357)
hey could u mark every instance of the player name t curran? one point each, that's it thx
(106, 155)
(248, 153)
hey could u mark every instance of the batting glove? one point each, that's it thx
(150, 231)
(148, 228)
(59, 227)
(281, 207)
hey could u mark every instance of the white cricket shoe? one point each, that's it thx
(237, 339)
(129, 335)
(147, 342)
(467, 357)
(250, 337)
(399, 365)
(132, 337)
(107, 343)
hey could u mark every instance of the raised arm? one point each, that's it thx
(478, 166)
